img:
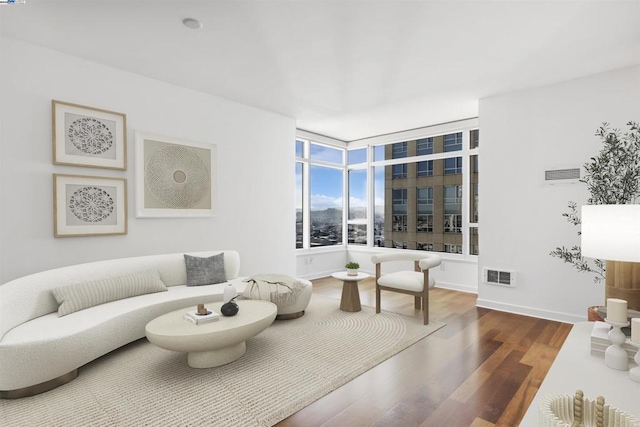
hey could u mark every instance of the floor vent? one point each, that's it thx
(561, 176)
(499, 277)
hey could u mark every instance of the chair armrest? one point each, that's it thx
(430, 262)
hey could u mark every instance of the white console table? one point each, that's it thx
(576, 369)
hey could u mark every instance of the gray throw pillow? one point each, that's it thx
(205, 271)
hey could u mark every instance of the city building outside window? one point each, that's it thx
(424, 168)
(425, 246)
(400, 245)
(453, 209)
(400, 171)
(453, 165)
(453, 142)
(400, 210)
(452, 249)
(424, 146)
(424, 220)
(399, 150)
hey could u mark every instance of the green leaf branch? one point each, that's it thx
(612, 177)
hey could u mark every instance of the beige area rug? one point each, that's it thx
(286, 367)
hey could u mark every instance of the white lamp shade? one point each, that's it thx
(611, 232)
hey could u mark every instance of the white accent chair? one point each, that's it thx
(407, 282)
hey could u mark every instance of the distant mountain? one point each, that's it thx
(334, 215)
(327, 216)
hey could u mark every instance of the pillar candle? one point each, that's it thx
(616, 310)
(635, 330)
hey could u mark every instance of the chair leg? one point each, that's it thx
(418, 300)
(377, 298)
(425, 305)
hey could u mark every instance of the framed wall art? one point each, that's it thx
(89, 205)
(90, 137)
(174, 177)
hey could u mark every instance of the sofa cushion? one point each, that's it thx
(205, 271)
(78, 296)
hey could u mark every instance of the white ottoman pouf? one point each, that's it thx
(291, 295)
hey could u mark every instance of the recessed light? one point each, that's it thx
(194, 24)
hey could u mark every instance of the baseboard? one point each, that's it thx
(439, 284)
(532, 312)
(457, 287)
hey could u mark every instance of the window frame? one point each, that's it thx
(374, 145)
(308, 139)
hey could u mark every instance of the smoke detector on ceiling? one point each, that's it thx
(194, 24)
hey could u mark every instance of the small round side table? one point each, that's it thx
(350, 300)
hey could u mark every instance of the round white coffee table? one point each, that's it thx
(215, 343)
(350, 300)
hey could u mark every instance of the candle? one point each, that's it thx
(635, 330)
(616, 310)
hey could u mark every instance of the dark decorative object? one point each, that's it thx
(230, 308)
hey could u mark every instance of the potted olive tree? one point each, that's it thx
(612, 177)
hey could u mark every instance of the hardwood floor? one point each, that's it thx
(482, 369)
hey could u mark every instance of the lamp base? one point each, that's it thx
(615, 356)
(623, 282)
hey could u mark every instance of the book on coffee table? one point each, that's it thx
(200, 319)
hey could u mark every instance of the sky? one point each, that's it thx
(326, 187)
(326, 182)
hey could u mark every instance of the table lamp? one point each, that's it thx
(612, 233)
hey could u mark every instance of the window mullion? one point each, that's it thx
(306, 206)
(466, 191)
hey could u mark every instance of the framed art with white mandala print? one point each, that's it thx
(174, 177)
(89, 206)
(90, 137)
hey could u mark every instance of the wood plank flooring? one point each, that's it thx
(482, 369)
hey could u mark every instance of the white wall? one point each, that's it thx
(255, 166)
(521, 222)
(320, 262)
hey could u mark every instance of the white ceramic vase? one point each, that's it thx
(230, 292)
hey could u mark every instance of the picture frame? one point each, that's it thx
(88, 136)
(174, 177)
(89, 206)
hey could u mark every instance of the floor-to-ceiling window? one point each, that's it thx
(357, 218)
(422, 182)
(419, 192)
(320, 174)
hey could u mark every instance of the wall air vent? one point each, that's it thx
(561, 176)
(499, 277)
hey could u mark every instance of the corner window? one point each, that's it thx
(429, 202)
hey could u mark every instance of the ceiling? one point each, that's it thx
(346, 69)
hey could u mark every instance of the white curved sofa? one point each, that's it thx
(39, 350)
